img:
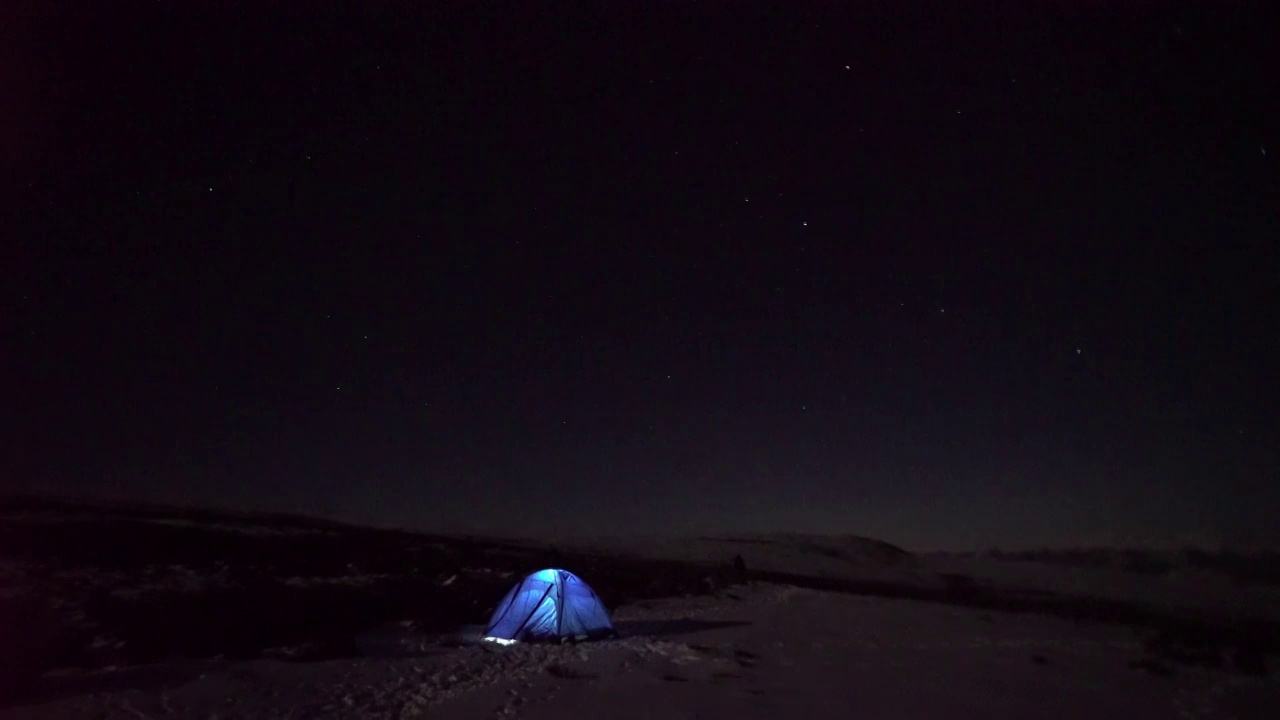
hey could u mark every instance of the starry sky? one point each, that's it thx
(949, 274)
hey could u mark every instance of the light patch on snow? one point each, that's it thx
(171, 579)
(336, 581)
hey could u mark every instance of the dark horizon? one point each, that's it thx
(948, 276)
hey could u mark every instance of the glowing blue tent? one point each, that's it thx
(549, 605)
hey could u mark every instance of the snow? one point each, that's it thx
(857, 558)
(1183, 587)
(753, 651)
(361, 626)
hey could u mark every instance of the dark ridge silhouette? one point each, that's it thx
(830, 545)
(37, 504)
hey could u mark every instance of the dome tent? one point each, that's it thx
(550, 604)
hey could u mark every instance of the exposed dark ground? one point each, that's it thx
(85, 587)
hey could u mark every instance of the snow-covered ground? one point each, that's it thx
(123, 614)
(1182, 587)
(754, 651)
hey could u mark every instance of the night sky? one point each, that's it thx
(951, 274)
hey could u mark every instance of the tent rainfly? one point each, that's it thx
(549, 605)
